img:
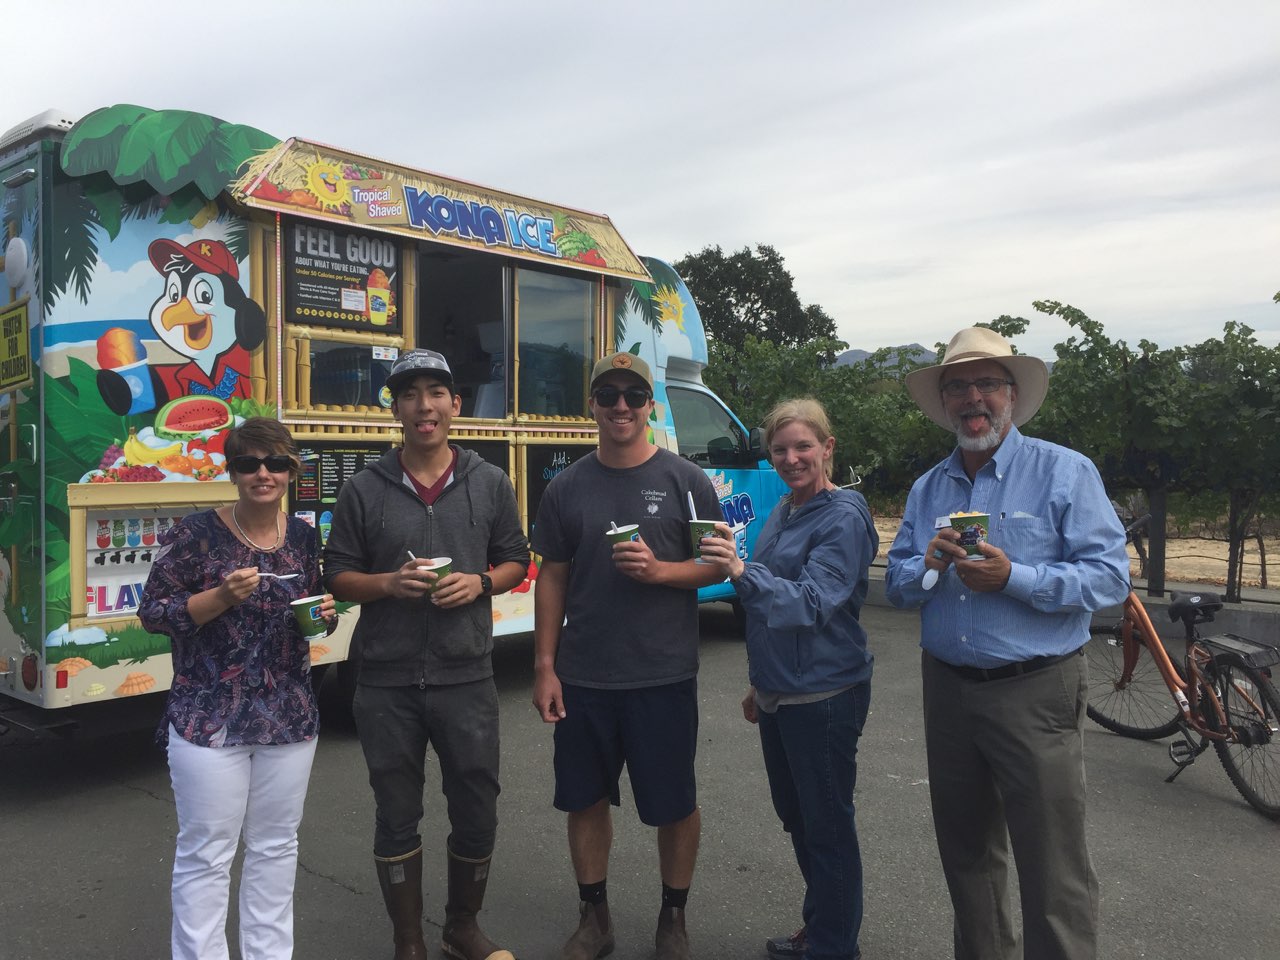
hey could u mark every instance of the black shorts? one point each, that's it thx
(653, 730)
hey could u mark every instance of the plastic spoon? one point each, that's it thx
(693, 511)
(279, 576)
(931, 575)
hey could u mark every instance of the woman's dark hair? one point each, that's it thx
(265, 435)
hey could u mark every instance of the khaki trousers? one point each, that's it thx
(1006, 764)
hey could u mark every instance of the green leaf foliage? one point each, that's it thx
(93, 144)
(1199, 421)
(74, 243)
(751, 294)
(167, 149)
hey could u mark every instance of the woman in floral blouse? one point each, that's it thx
(241, 719)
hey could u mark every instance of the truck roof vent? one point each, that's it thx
(50, 125)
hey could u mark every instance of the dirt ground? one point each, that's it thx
(1186, 561)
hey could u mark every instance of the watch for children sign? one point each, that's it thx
(15, 347)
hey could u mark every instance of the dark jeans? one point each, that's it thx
(460, 722)
(810, 754)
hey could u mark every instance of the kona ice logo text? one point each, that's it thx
(738, 509)
(469, 220)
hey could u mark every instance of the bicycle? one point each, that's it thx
(1222, 693)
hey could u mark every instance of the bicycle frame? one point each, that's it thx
(1185, 692)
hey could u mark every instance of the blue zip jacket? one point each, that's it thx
(803, 592)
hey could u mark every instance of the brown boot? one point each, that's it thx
(594, 937)
(401, 882)
(462, 937)
(671, 940)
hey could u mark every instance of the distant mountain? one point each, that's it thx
(924, 357)
(850, 357)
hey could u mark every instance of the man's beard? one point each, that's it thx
(995, 433)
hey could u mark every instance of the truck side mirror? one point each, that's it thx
(755, 444)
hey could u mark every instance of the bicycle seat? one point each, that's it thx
(1198, 606)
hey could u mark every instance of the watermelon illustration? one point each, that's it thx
(188, 417)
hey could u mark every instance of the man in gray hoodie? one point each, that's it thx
(424, 644)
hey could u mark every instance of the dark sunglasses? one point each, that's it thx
(276, 463)
(608, 396)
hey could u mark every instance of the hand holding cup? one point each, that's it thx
(721, 548)
(314, 614)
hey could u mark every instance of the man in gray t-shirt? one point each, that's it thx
(618, 679)
(621, 632)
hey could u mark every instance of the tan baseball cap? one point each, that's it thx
(622, 362)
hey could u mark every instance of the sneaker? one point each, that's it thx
(787, 948)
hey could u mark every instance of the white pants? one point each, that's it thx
(219, 790)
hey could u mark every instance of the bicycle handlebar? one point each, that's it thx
(1137, 525)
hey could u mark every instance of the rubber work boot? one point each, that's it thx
(462, 937)
(671, 939)
(401, 882)
(594, 936)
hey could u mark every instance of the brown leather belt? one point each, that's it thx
(1007, 670)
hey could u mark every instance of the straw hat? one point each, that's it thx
(978, 343)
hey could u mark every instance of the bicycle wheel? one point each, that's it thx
(1251, 756)
(1141, 708)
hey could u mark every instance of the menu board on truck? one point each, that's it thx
(341, 278)
(326, 467)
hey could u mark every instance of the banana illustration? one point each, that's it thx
(138, 454)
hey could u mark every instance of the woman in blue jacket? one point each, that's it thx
(810, 669)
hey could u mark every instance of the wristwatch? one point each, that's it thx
(486, 584)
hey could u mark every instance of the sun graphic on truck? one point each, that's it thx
(326, 183)
(669, 305)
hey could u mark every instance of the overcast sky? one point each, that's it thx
(921, 166)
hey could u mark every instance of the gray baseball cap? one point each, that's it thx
(414, 363)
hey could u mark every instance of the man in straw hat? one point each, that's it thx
(1003, 636)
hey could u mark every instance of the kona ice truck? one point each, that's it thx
(169, 274)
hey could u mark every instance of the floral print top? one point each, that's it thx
(245, 676)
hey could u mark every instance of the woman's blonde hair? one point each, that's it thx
(805, 410)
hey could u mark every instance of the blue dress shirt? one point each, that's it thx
(1051, 516)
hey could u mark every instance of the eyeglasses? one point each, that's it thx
(608, 396)
(960, 388)
(276, 463)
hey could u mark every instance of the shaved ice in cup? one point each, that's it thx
(972, 528)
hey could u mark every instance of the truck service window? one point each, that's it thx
(463, 313)
(556, 324)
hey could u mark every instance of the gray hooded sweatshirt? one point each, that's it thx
(378, 519)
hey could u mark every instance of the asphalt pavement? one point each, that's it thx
(86, 829)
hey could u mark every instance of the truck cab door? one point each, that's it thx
(748, 487)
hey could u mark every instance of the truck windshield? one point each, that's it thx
(707, 433)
